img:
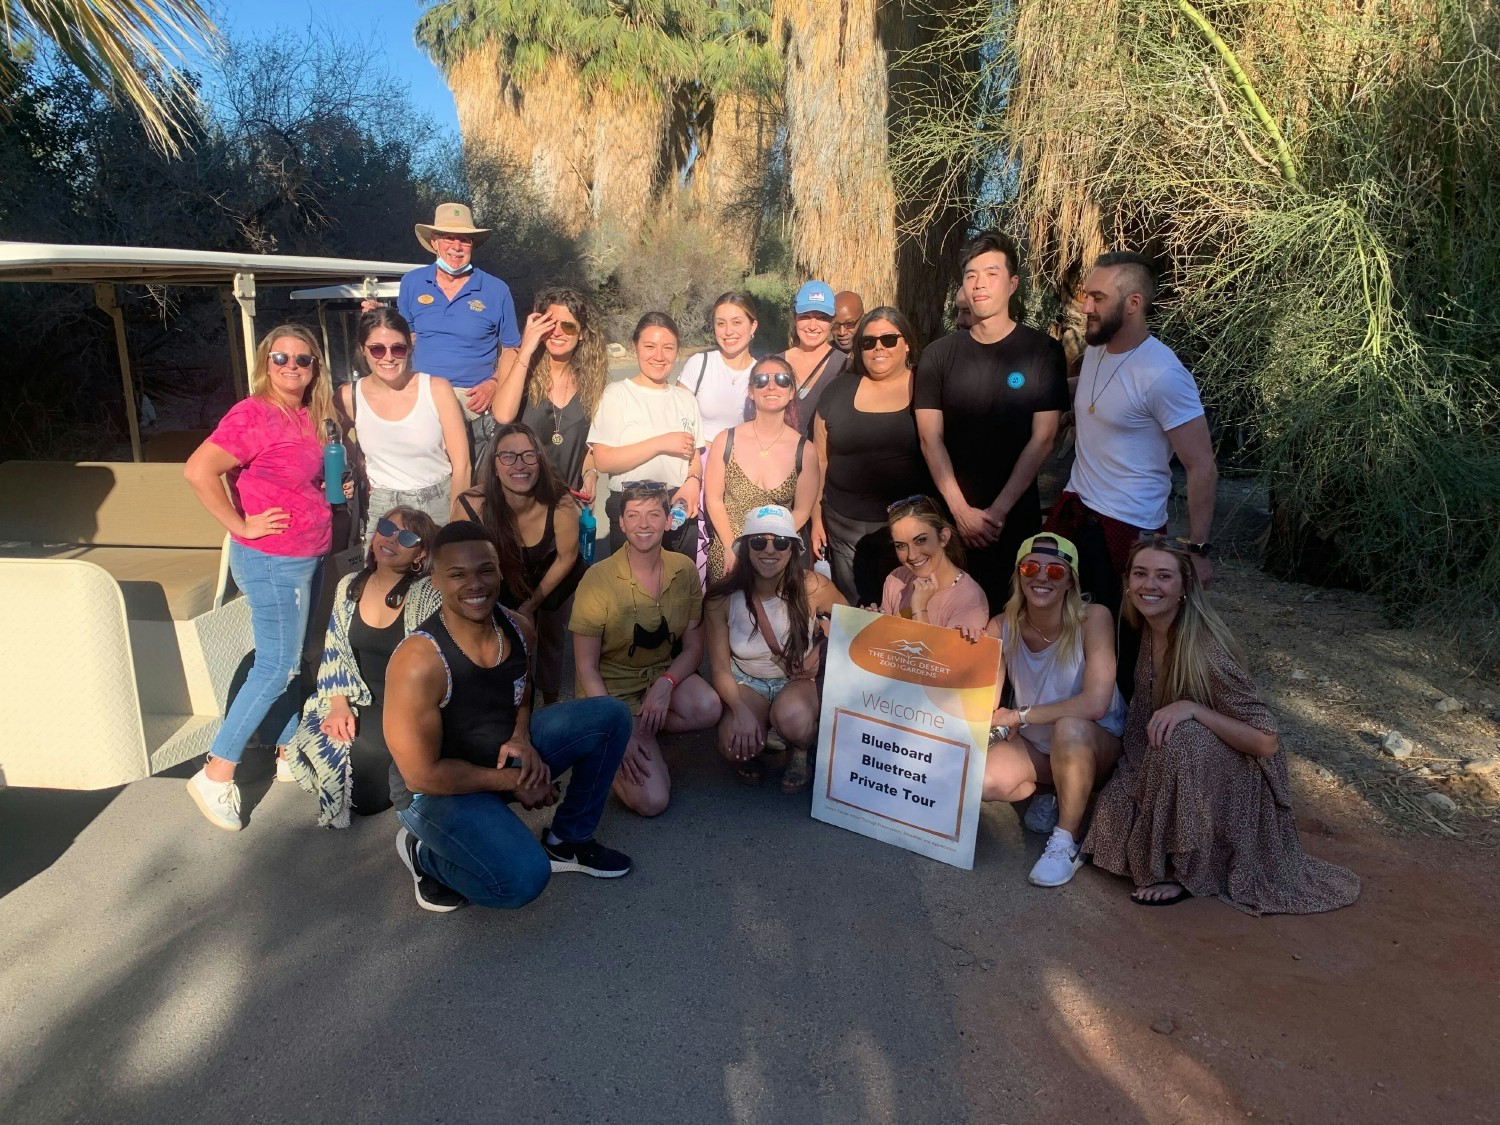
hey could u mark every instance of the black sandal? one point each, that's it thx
(1182, 893)
(751, 770)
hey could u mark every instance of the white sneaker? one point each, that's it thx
(284, 769)
(1062, 857)
(1041, 814)
(218, 801)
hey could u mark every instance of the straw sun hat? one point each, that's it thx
(450, 218)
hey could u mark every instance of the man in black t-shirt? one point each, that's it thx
(988, 402)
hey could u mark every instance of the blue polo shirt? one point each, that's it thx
(459, 340)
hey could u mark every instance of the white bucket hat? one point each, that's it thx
(770, 519)
(451, 218)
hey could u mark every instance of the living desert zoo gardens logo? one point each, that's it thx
(890, 646)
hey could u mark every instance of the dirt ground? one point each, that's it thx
(1388, 1011)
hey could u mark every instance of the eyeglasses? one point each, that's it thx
(1056, 572)
(762, 379)
(301, 359)
(566, 327)
(845, 325)
(510, 457)
(919, 498)
(780, 542)
(398, 351)
(388, 528)
(653, 486)
(886, 340)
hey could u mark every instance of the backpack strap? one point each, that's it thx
(801, 444)
(473, 515)
(728, 444)
(702, 370)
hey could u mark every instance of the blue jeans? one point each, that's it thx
(477, 845)
(281, 592)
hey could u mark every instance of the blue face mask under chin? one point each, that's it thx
(468, 267)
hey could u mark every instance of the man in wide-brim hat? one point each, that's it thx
(463, 320)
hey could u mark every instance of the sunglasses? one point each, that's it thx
(398, 351)
(919, 498)
(645, 486)
(301, 359)
(388, 528)
(1056, 572)
(886, 340)
(510, 457)
(566, 327)
(762, 379)
(780, 542)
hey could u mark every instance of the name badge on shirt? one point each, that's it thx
(426, 299)
(477, 305)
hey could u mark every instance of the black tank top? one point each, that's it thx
(536, 560)
(479, 709)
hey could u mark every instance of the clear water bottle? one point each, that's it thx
(588, 532)
(678, 515)
(333, 466)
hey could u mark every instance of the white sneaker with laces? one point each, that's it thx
(1061, 858)
(1041, 814)
(218, 801)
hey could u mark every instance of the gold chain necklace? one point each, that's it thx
(1094, 386)
(765, 450)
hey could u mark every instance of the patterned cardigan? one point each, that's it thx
(320, 764)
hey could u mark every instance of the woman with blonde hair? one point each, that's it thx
(930, 585)
(269, 450)
(557, 382)
(1058, 656)
(1200, 804)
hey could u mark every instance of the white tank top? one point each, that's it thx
(1041, 677)
(403, 455)
(748, 646)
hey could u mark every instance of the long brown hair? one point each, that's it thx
(318, 398)
(923, 508)
(590, 359)
(1184, 672)
(792, 589)
(497, 519)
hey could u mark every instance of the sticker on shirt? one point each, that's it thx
(477, 305)
(426, 299)
(1015, 381)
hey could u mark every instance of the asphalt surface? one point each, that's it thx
(756, 965)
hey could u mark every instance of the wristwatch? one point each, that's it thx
(1204, 549)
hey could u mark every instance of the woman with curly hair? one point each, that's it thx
(339, 750)
(1200, 804)
(557, 381)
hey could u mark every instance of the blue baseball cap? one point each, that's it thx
(815, 296)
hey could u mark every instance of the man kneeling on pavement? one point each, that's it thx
(465, 743)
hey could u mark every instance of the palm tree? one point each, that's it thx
(124, 48)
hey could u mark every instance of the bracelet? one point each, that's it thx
(668, 677)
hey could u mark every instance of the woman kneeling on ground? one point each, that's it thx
(339, 750)
(534, 524)
(1200, 803)
(930, 585)
(638, 636)
(1058, 655)
(763, 622)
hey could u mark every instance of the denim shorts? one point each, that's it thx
(766, 689)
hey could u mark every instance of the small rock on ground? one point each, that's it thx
(1164, 1026)
(1298, 674)
(1396, 744)
(1442, 802)
(1448, 704)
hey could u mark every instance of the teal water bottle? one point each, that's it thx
(333, 466)
(588, 528)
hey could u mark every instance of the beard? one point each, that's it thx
(1109, 323)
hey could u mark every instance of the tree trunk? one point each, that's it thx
(729, 172)
(629, 130)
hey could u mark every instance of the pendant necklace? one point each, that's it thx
(556, 426)
(765, 450)
(1094, 397)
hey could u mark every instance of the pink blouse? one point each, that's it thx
(963, 603)
(280, 466)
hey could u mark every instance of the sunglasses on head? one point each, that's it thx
(388, 528)
(281, 359)
(919, 498)
(1056, 572)
(645, 486)
(398, 351)
(510, 456)
(780, 542)
(762, 379)
(886, 340)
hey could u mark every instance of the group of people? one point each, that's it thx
(745, 499)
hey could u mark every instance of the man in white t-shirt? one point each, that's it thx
(1134, 406)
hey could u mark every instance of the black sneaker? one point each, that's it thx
(588, 858)
(431, 895)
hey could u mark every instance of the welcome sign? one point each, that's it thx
(904, 731)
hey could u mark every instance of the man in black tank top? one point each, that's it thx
(464, 742)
